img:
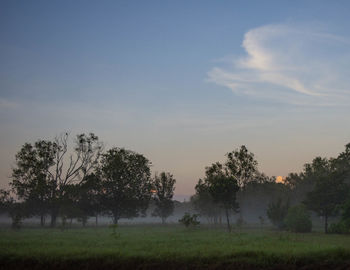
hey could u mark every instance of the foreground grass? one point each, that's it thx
(152, 247)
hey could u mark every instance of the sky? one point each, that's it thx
(181, 82)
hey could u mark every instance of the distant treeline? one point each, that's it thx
(50, 178)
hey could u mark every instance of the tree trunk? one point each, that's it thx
(42, 220)
(96, 221)
(53, 218)
(228, 220)
(115, 220)
(85, 221)
(163, 220)
(326, 223)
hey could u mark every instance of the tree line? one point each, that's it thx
(50, 178)
(323, 187)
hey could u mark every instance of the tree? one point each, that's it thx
(189, 220)
(203, 202)
(222, 189)
(45, 169)
(328, 194)
(30, 177)
(242, 166)
(126, 183)
(341, 165)
(164, 186)
(90, 194)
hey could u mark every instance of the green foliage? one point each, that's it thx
(277, 212)
(343, 226)
(189, 220)
(298, 219)
(340, 227)
(329, 191)
(345, 211)
(164, 186)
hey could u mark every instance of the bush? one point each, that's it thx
(339, 228)
(276, 212)
(298, 219)
(189, 220)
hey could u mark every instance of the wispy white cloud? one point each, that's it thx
(294, 64)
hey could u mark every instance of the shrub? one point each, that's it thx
(339, 228)
(277, 212)
(343, 226)
(298, 219)
(17, 214)
(189, 220)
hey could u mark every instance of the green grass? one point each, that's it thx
(146, 245)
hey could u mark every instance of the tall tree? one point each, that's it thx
(242, 166)
(203, 202)
(30, 177)
(44, 170)
(341, 165)
(222, 189)
(90, 197)
(164, 186)
(126, 183)
(329, 191)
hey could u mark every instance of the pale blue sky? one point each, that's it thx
(182, 82)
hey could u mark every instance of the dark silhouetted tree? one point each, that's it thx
(222, 188)
(242, 166)
(164, 186)
(126, 183)
(329, 191)
(31, 178)
(90, 192)
(203, 202)
(45, 169)
(325, 199)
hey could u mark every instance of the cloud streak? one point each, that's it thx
(292, 64)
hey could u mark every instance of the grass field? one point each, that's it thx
(170, 247)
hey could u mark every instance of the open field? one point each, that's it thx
(170, 247)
